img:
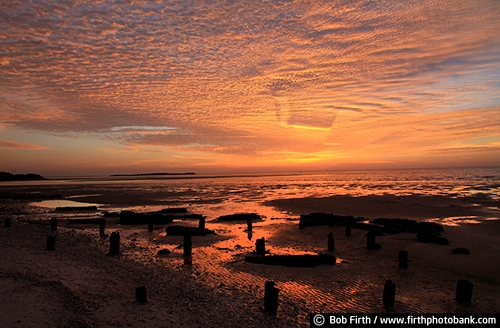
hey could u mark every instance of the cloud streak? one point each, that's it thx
(254, 78)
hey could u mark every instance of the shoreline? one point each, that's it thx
(78, 284)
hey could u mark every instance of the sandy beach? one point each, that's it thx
(79, 285)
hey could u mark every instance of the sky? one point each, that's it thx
(108, 87)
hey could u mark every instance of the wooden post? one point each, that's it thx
(348, 230)
(114, 243)
(102, 226)
(389, 294)
(150, 224)
(403, 259)
(331, 245)
(201, 224)
(7, 223)
(271, 295)
(463, 293)
(53, 224)
(370, 241)
(188, 245)
(141, 294)
(249, 225)
(51, 243)
(260, 246)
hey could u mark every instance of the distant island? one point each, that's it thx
(147, 174)
(6, 176)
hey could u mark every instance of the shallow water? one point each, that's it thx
(352, 285)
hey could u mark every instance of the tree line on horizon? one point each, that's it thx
(7, 176)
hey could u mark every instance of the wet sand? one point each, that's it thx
(78, 284)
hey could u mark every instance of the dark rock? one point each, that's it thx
(174, 210)
(306, 260)
(85, 221)
(425, 237)
(240, 217)
(460, 250)
(164, 251)
(130, 217)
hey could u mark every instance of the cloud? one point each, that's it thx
(9, 144)
(252, 78)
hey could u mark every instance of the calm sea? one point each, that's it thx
(223, 194)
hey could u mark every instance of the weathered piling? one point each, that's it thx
(141, 294)
(188, 245)
(201, 223)
(7, 223)
(102, 226)
(249, 225)
(403, 259)
(271, 295)
(260, 246)
(114, 243)
(331, 245)
(53, 224)
(370, 241)
(389, 294)
(348, 230)
(51, 243)
(463, 293)
(302, 224)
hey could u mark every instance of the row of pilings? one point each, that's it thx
(463, 291)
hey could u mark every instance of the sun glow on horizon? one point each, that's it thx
(86, 86)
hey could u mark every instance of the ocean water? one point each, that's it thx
(225, 194)
(352, 285)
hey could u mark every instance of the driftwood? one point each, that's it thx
(307, 260)
(240, 217)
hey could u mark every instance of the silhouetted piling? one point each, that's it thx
(331, 245)
(141, 294)
(150, 225)
(7, 223)
(249, 225)
(271, 295)
(114, 243)
(102, 226)
(348, 231)
(403, 259)
(463, 293)
(188, 245)
(260, 246)
(51, 243)
(201, 224)
(53, 224)
(302, 225)
(370, 241)
(389, 293)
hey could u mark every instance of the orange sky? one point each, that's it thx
(97, 87)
